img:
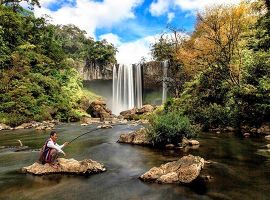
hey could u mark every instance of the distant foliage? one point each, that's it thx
(38, 79)
(227, 60)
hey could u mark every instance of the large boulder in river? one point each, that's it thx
(184, 170)
(98, 109)
(145, 109)
(138, 137)
(70, 166)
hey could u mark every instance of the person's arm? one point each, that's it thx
(63, 145)
(57, 147)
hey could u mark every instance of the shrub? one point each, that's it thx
(170, 128)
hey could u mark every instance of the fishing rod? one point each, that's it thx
(83, 135)
(92, 131)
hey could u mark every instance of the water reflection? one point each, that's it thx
(238, 171)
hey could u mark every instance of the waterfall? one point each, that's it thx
(164, 84)
(127, 88)
(138, 86)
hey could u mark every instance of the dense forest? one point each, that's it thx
(38, 76)
(221, 71)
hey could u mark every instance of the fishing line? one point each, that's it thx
(91, 132)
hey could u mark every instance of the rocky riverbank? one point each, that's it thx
(45, 125)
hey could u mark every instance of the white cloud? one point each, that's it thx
(111, 38)
(132, 52)
(198, 4)
(159, 7)
(47, 2)
(89, 15)
(170, 16)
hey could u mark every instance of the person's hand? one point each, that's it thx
(65, 144)
(65, 154)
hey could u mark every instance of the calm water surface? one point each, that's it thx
(238, 171)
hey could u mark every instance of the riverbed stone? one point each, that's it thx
(169, 146)
(264, 129)
(184, 170)
(98, 109)
(186, 142)
(70, 166)
(145, 109)
(267, 137)
(104, 126)
(138, 137)
(4, 127)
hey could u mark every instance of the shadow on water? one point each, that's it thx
(238, 171)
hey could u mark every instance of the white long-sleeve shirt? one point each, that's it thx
(51, 144)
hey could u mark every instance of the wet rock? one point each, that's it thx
(4, 127)
(184, 170)
(206, 178)
(253, 130)
(45, 125)
(128, 112)
(264, 129)
(169, 146)
(135, 113)
(24, 126)
(145, 109)
(246, 134)
(267, 137)
(95, 120)
(186, 142)
(143, 121)
(230, 129)
(105, 126)
(98, 109)
(70, 166)
(137, 137)
(86, 120)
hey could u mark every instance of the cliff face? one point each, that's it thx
(152, 75)
(93, 71)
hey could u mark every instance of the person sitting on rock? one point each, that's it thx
(51, 150)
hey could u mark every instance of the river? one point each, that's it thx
(238, 171)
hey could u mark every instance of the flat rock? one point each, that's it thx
(138, 137)
(70, 166)
(186, 142)
(184, 170)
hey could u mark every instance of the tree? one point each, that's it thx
(217, 41)
(165, 49)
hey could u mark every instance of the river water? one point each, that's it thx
(238, 170)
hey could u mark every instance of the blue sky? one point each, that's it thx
(131, 25)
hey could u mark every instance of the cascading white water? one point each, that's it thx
(138, 86)
(164, 84)
(127, 88)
